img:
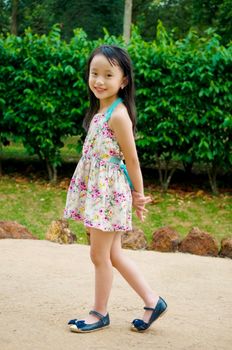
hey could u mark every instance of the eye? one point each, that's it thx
(94, 74)
(109, 75)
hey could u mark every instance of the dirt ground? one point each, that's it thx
(43, 285)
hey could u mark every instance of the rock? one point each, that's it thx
(12, 229)
(134, 239)
(59, 232)
(165, 239)
(199, 243)
(226, 247)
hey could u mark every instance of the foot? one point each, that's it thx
(90, 319)
(139, 325)
(90, 324)
(147, 313)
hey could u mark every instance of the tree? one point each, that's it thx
(174, 14)
(224, 20)
(127, 20)
(4, 16)
(14, 26)
(180, 16)
(177, 16)
(41, 15)
(90, 15)
(37, 15)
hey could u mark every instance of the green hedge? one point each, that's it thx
(43, 93)
(183, 97)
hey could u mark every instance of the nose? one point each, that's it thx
(99, 81)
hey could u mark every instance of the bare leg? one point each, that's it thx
(100, 247)
(130, 272)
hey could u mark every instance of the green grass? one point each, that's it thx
(16, 150)
(26, 197)
(35, 203)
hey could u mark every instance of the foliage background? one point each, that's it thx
(183, 97)
(178, 16)
(183, 78)
(183, 81)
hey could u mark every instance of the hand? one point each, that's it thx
(138, 202)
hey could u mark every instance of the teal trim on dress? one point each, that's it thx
(111, 108)
(116, 160)
(120, 162)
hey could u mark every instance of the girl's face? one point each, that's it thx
(105, 80)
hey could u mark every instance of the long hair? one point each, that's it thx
(116, 56)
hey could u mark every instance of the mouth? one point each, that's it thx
(99, 89)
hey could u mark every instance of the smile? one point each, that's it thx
(99, 89)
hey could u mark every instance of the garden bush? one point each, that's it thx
(43, 93)
(183, 97)
(184, 102)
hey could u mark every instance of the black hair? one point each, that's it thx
(115, 55)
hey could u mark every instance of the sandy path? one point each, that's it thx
(42, 285)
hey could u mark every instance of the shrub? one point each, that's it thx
(183, 97)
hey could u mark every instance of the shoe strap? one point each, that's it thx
(149, 308)
(153, 308)
(95, 313)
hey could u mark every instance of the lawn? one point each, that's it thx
(28, 198)
(35, 203)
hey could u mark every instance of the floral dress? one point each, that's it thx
(99, 193)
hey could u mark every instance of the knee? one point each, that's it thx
(98, 259)
(95, 258)
(115, 259)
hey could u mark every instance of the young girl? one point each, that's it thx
(103, 188)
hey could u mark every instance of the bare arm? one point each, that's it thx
(122, 127)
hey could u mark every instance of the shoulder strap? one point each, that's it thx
(111, 108)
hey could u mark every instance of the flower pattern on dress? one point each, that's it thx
(99, 193)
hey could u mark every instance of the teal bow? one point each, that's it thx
(119, 161)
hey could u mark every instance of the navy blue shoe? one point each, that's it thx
(81, 327)
(159, 310)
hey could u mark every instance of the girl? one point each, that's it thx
(103, 188)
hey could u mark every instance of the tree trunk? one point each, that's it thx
(49, 170)
(52, 171)
(165, 175)
(127, 20)
(212, 174)
(14, 29)
(54, 179)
